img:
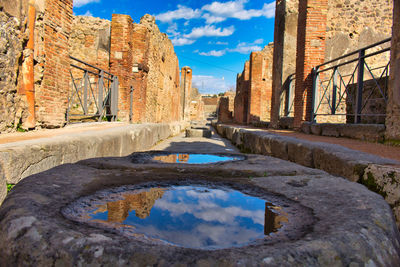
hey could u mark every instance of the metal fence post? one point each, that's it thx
(334, 90)
(85, 92)
(100, 95)
(114, 99)
(360, 86)
(314, 101)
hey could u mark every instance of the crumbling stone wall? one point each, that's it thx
(224, 115)
(196, 105)
(257, 89)
(12, 104)
(156, 94)
(90, 40)
(393, 108)
(242, 95)
(210, 105)
(52, 20)
(350, 25)
(284, 58)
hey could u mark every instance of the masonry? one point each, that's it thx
(37, 87)
(254, 88)
(350, 25)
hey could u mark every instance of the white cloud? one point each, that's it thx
(79, 3)
(182, 41)
(182, 12)
(218, 11)
(213, 53)
(173, 29)
(88, 14)
(210, 30)
(243, 48)
(210, 84)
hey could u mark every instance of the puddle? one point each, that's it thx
(194, 158)
(188, 216)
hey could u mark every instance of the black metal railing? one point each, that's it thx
(287, 97)
(94, 93)
(353, 88)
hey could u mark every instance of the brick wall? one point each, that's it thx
(12, 104)
(224, 115)
(393, 109)
(284, 59)
(254, 88)
(242, 95)
(310, 52)
(52, 78)
(121, 62)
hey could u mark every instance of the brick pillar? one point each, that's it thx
(393, 108)
(310, 53)
(186, 89)
(279, 33)
(121, 60)
(224, 115)
(52, 95)
(256, 73)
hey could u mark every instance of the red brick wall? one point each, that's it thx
(224, 115)
(241, 98)
(121, 59)
(310, 52)
(52, 95)
(140, 45)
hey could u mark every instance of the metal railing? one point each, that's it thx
(287, 97)
(94, 93)
(353, 86)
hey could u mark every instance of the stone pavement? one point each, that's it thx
(331, 221)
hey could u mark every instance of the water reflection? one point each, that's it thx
(194, 216)
(193, 158)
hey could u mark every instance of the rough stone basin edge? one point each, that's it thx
(21, 159)
(377, 173)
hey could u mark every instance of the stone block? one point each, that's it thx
(316, 128)
(330, 129)
(301, 153)
(3, 185)
(366, 132)
(198, 132)
(306, 127)
(384, 180)
(279, 147)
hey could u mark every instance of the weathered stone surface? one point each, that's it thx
(198, 132)
(385, 180)
(393, 111)
(334, 159)
(350, 225)
(366, 132)
(12, 105)
(25, 158)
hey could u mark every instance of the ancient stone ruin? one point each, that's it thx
(37, 85)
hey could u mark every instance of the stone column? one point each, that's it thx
(310, 53)
(393, 108)
(186, 89)
(256, 73)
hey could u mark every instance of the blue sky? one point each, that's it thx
(214, 38)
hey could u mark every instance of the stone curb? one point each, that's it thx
(21, 159)
(334, 159)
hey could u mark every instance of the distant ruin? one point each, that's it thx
(308, 33)
(140, 56)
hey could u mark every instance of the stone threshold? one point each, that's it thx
(379, 174)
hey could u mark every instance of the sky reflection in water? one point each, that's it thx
(193, 158)
(195, 216)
